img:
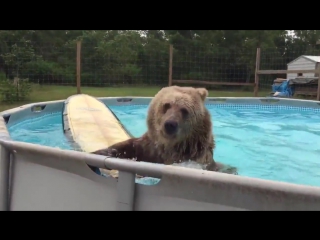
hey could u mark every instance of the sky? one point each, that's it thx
(291, 32)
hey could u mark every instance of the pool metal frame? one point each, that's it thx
(34, 177)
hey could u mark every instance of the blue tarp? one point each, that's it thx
(284, 89)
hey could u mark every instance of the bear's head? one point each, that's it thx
(178, 112)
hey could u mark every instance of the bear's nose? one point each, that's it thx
(171, 127)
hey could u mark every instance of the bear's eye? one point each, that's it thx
(166, 107)
(184, 112)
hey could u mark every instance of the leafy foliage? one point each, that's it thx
(119, 57)
(14, 91)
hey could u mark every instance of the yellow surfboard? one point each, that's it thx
(90, 124)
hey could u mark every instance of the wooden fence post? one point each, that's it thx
(256, 79)
(78, 67)
(170, 64)
(318, 91)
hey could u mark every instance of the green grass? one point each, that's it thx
(50, 93)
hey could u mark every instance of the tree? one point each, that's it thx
(111, 57)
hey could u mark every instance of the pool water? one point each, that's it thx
(267, 143)
(46, 130)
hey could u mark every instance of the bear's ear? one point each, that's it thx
(203, 93)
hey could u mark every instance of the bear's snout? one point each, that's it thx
(171, 127)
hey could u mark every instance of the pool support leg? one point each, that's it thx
(126, 190)
(4, 178)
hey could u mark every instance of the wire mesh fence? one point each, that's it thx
(289, 59)
(303, 62)
(126, 62)
(40, 63)
(216, 68)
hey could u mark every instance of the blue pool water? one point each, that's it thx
(270, 143)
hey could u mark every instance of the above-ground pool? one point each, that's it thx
(266, 141)
(272, 142)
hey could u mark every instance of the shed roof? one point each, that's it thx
(315, 59)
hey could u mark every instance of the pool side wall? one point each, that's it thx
(34, 177)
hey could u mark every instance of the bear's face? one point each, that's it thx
(177, 111)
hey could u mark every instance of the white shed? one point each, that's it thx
(304, 62)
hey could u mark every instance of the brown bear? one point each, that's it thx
(179, 129)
